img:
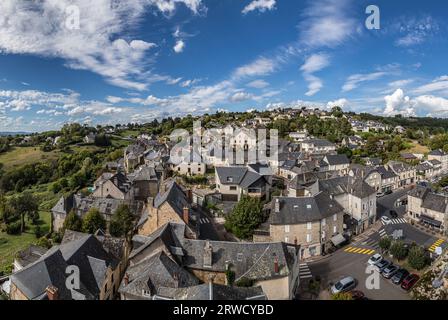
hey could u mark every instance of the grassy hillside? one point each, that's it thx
(20, 156)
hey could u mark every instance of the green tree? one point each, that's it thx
(385, 243)
(24, 205)
(417, 258)
(72, 222)
(245, 217)
(93, 221)
(122, 222)
(398, 250)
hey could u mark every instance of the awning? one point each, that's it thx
(430, 221)
(337, 239)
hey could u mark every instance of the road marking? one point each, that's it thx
(304, 271)
(356, 250)
(436, 244)
(382, 233)
(395, 221)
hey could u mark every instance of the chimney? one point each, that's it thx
(186, 215)
(208, 254)
(190, 195)
(276, 268)
(277, 205)
(52, 292)
(126, 279)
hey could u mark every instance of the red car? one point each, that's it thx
(410, 281)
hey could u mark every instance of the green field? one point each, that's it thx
(20, 156)
(11, 244)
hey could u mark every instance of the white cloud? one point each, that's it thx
(258, 84)
(38, 28)
(354, 80)
(327, 23)
(260, 67)
(400, 83)
(314, 63)
(437, 85)
(398, 103)
(241, 96)
(179, 46)
(260, 5)
(337, 103)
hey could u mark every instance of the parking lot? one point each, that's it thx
(352, 261)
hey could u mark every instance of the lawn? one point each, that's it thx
(20, 156)
(418, 148)
(11, 244)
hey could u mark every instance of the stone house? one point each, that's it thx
(115, 186)
(45, 279)
(406, 173)
(172, 204)
(271, 267)
(312, 222)
(428, 208)
(233, 182)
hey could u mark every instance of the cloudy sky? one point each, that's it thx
(133, 61)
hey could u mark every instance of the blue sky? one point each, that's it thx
(132, 61)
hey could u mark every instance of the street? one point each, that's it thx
(351, 260)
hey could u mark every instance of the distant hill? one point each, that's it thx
(6, 133)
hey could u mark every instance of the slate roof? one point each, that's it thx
(337, 159)
(346, 184)
(249, 260)
(385, 173)
(86, 252)
(320, 142)
(398, 167)
(106, 206)
(30, 255)
(143, 173)
(154, 272)
(298, 210)
(437, 152)
(172, 193)
(430, 200)
(435, 162)
(241, 176)
(211, 291)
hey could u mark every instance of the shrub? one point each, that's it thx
(398, 250)
(14, 227)
(417, 258)
(385, 243)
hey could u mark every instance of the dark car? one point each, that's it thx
(389, 271)
(388, 192)
(393, 214)
(381, 265)
(399, 276)
(357, 295)
(409, 281)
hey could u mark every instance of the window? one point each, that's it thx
(286, 228)
(233, 188)
(239, 257)
(335, 229)
(199, 169)
(335, 217)
(308, 225)
(286, 240)
(308, 238)
(324, 222)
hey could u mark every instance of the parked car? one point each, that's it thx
(358, 295)
(409, 281)
(386, 220)
(381, 265)
(399, 276)
(389, 271)
(374, 259)
(380, 194)
(388, 192)
(344, 285)
(393, 214)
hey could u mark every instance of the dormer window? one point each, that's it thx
(308, 206)
(229, 179)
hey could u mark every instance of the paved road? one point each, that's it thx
(344, 263)
(207, 230)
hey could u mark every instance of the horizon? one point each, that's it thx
(153, 59)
